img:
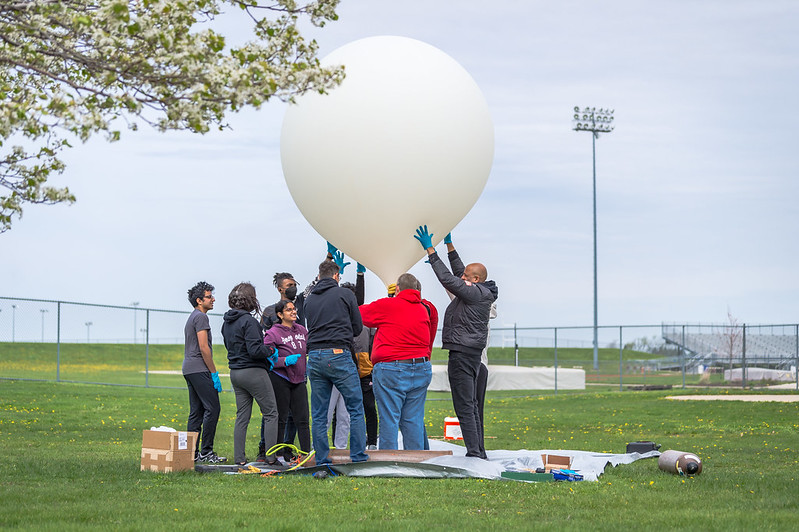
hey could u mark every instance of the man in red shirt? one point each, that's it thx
(406, 328)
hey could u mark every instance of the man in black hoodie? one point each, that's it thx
(464, 333)
(333, 320)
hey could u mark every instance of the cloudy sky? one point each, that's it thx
(697, 186)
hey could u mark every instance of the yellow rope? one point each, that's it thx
(295, 449)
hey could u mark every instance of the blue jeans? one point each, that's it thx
(328, 368)
(401, 389)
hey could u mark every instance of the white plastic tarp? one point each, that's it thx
(586, 463)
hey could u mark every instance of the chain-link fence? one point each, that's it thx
(81, 342)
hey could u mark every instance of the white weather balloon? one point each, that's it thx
(405, 140)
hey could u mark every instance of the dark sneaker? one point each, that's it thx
(196, 456)
(212, 458)
(287, 455)
(261, 457)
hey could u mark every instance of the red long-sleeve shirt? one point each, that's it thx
(405, 326)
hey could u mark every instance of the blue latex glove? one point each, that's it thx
(217, 382)
(331, 249)
(361, 268)
(424, 237)
(448, 238)
(272, 360)
(338, 258)
(292, 359)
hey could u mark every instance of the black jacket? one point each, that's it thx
(332, 315)
(465, 326)
(244, 341)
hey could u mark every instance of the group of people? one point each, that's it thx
(366, 353)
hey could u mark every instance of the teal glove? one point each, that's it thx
(361, 268)
(338, 258)
(448, 238)
(272, 359)
(292, 359)
(424, 237)
(217, 382)
(331, 249)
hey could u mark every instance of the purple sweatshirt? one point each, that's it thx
(288, 341)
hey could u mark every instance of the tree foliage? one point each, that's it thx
(73, 68)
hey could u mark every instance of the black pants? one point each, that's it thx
(292, 398)
(482, 384)
(369, 410)
(463, 371)
(203, 409)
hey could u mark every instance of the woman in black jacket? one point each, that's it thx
(250, 362)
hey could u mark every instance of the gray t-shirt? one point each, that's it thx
(192, 357)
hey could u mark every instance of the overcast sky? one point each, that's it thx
(697, 186)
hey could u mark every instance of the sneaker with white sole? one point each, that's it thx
(212, 458)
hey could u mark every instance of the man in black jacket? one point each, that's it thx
(464, 333)
(333, 320)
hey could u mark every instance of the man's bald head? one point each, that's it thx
(475, 273)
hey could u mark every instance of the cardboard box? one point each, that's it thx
(167, 451)
(554, 461)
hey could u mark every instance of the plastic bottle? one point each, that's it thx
(680, 463)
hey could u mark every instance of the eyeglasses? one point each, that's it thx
(208, 297)
(290, 310)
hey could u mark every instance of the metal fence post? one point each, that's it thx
(682, 356)
(516, 345)
(58, 343)
(743, 359)
(621, 358)
(556, 361)
(147, 351)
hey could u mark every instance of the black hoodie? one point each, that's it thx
(332, 315)
(244, 341)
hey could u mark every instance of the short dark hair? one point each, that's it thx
(242, 297)
(348, 285)
(280, 277)
(328, 269)
(280, 306)
(198, 292)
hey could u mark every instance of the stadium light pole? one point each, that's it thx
(43, 311)
(134, 305)
(88, 324)
(596, 121)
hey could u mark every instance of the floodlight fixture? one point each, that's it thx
(593, 120)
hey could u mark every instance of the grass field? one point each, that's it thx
(71, 461)
(126, 363)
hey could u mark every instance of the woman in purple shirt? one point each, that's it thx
(288, 375)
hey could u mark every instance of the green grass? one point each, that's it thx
(125, 363)
(71, 461)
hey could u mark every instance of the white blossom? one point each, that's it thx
(74, 68)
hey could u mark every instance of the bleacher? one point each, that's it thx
(722, 345)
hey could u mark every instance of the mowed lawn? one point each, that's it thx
(128, 363)
(71, 461)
